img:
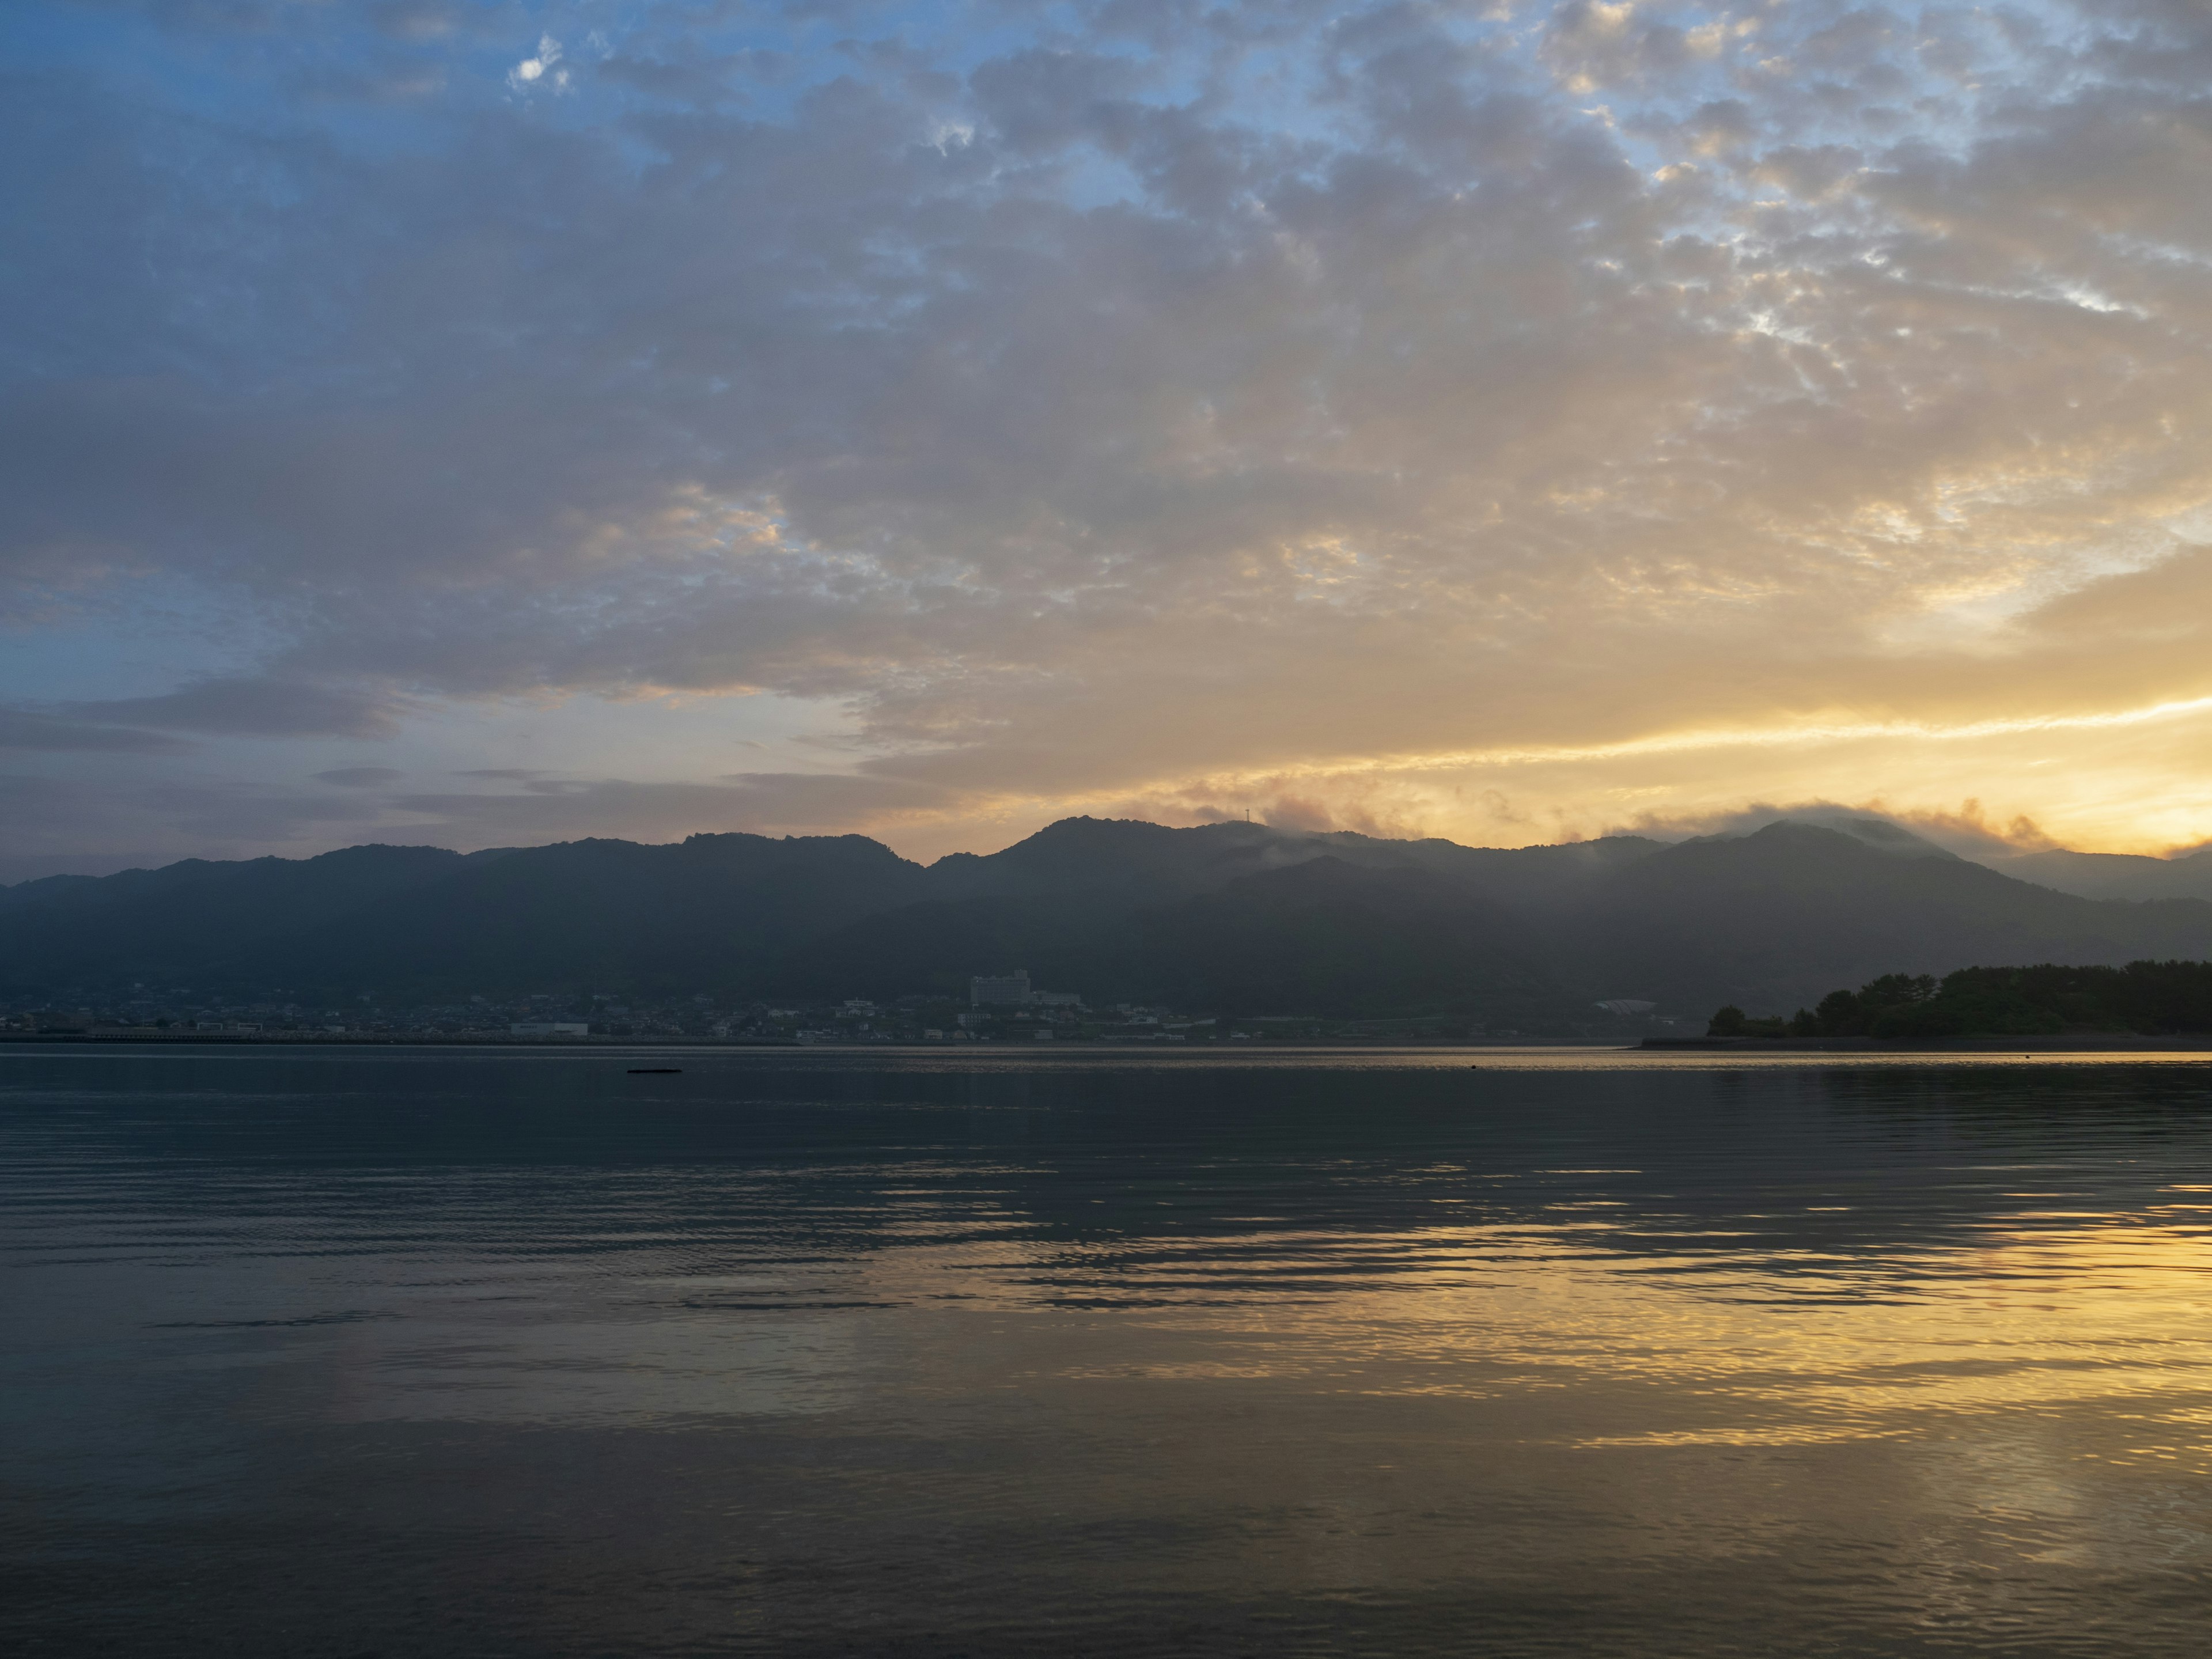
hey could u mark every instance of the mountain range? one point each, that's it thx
(2114, 875)
(1228, 917)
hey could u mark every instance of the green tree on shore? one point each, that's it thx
(2150, 999)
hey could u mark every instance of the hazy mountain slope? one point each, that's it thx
(1530, 880)
(43, 888)
(1120, 861)
(171, 925)
(2114, 875)
(1067, 943)
(1133, 863)
(1329, 937)
(1777, 919)
(420, 922)
(1320, 935)
(1882, 834)
(709, 912)
(1234, 916)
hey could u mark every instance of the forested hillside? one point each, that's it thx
(1236, 916)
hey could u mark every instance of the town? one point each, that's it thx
(1000, 1007)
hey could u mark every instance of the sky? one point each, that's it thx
(480, 424)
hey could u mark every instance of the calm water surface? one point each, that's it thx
(467, 1352)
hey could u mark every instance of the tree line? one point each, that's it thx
(2153, 999)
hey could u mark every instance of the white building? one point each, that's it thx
(987, 989)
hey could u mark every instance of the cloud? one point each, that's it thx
(21, 730)
(359, 777)
(118, 821)
(545, 811)
(1968, 831)
(540, 70)
(253, 708)
(414, 20)
(1367, 416)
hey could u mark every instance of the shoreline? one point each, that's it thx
(2085, 1043)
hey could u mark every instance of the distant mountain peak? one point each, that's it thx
(1875, 833)
(1247, 915)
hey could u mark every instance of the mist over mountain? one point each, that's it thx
(1235, 917)
(2114, 875)
(2086, 875)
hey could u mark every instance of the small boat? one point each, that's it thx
(656, 1071)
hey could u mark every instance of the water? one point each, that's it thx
(464, 1352)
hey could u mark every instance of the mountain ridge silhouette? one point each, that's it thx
(1242, 915)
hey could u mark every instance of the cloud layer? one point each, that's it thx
(1495, 423)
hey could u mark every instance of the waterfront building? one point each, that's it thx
(984, 989)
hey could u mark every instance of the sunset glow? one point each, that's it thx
(498, 424)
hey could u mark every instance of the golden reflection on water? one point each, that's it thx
(2104, 1323)
(1917, 1367)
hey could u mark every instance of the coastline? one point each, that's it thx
(2083, 1043)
